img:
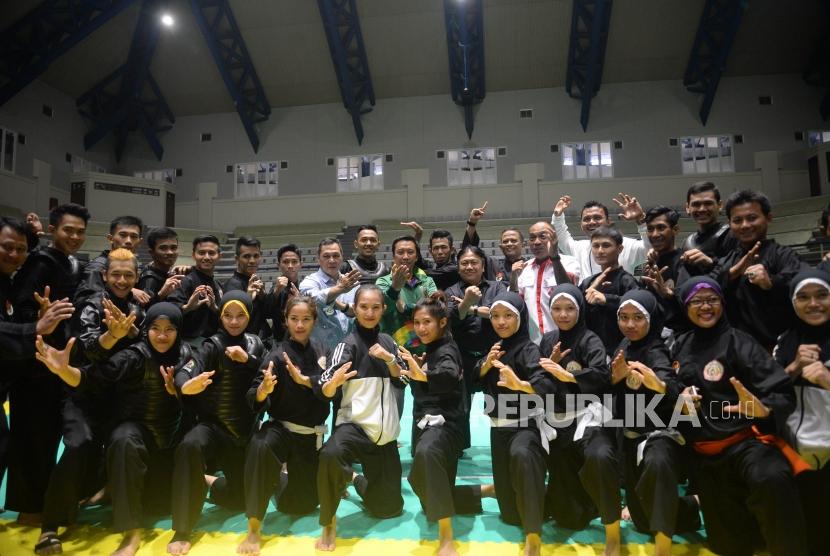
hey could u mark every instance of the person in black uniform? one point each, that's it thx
(712, 240)
(159, 279)
(199, 293)
(147, 416)
(582, 465)
(438, 419)
(603, 290)
(34, 393)
(469, 302)
(105, 323)
(216, 388)
(294, 431)
(285, 286)
(664, 269)
(366, 243)
(748, 494)
(654, 454)
(804, 352)
(755, 277)
(244, 278)
(368, 421)
(518, 444)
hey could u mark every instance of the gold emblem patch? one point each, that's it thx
(713, 371)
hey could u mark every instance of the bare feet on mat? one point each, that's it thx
(129, 544)
(253, 541)
(533, 545)
(612, 539)
(625, 515)
(327, 537)
(180, 544)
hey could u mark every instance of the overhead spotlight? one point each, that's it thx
(167, 20)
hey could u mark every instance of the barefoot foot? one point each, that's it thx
(180, 544)
(533, 545)
(129, 544)
(326, 542)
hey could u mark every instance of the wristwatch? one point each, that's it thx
(473, 309)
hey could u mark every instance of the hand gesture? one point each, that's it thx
(167, 374)
(807, 354)
(748, 404)
(630, 206)
(601, 279)
(648, 377)
(477, 213)
(210, 298)
(557, 354)
(55, 360)
(698, 258)
(400, 275)
(269, 380)
(341, 375)
(170, 285)
(255, 285)
(197, 384)
(752, 256)
(378, 352)
(653, 277)
(347, 282)
(296, 375)
(293, 291)
(595, 297)
(619, 368)
(44, 301)
(417, 229)
(518, 266)
(56, 313)
(816, 373)
(280, 284)
(117, 324)
(141, 297)
(180, 269)
(562, 205)
(472, 295)
(690, 399)
(413, 370)
(757, 275)
(554, 368)
(493, 355)
(507, 377)
(33, 220)
(236, 354)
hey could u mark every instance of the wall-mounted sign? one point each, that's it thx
(132, 189)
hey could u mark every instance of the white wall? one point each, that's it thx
(643, 115)
(49, 139)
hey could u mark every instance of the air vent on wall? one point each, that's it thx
(329, 162)
(672, 141)
(526, 113)
(179, 172)
(21, 138)
(501, 151)
(799, 135)
(68, 157)
(229, 168)
(618, 145)
(765, 100)
(389, 157)
(206, 137)
(283, 165)
(440, 154)
(48, 111)
(739, 139)
(554, 148)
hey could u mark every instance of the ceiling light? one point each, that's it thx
(167, 20)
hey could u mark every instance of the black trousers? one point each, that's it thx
(4, 429)
(814, 488)
(748, 493)
(139, 474)
(380, 487)
(432, 475)
(584, 478)
(651, 488)
(470, 375)
(269, 448)
(206, 444)
(519, 476)
(76, 474)
(34, 436)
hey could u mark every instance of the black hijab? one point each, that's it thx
(174, 315)
(570, 338)
(243, 299)
(647, 304)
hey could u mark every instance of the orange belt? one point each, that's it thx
(715, 447)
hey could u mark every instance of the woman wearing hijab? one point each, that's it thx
(653, 452)
(745, 476)
(582, 464)
(216, 387)
(293, 434)
(518, 445)
(804, 351)
(147, 416)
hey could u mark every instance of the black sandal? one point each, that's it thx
(50, 540)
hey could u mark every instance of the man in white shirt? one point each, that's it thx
(594, 215)
(541, 274)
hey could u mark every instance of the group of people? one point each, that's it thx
(167, 387)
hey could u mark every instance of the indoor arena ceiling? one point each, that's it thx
(526, 44)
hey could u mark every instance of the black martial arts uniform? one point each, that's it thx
(747, 490)
(602, 319)
(715, 242)
(474, 337)
(763, 314)
(653, 470)
(35, 393)
(438, 422)
(147, 417)
(92, 281)
(370, 271)
(367, 427)
(276, 311)
(292, 435)
(202, 322)
(518, 450)
(86, 412)
(262, 305)
(811, 401)
(224, 424)
(150, 281)
(582, 464)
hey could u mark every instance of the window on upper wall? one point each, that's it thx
(816, 137)
(8, 149)
(707, 155)
(362, 172)
(472, 166)
(81, 164)
(257, 179)
(167, 175)
(587, 161)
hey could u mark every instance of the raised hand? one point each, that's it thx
(255, 285)
(601, 279)
(595, 297)
(43, 301)
(378, 352)
(508, 378)
(198, 383)
(690, 399)
(269, 382)
(478, 213)
(745, 262)
(518, 266)
(816, 373)
(170, 285)
(493, 355)
(417, 229)
(554, 368)
(237, 354)
(167, 374)
(296, 375)
(57, 312)
(648, 377)
(340, 376)
(54, 359)
(347, 282)
(400, 275)
(472, 295)
(293, 292)
(696, 257)
(413, 370)
(653, 277)
(630, 206)
(557, 354)
(117, 324)
(757, 275)
(619, 368)
(280, 284)
(562, 205)
(748, 404)
(141, 297)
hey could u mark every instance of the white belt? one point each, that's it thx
(589, 416)
(319, 430)
(546, 432)
(431, 421)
